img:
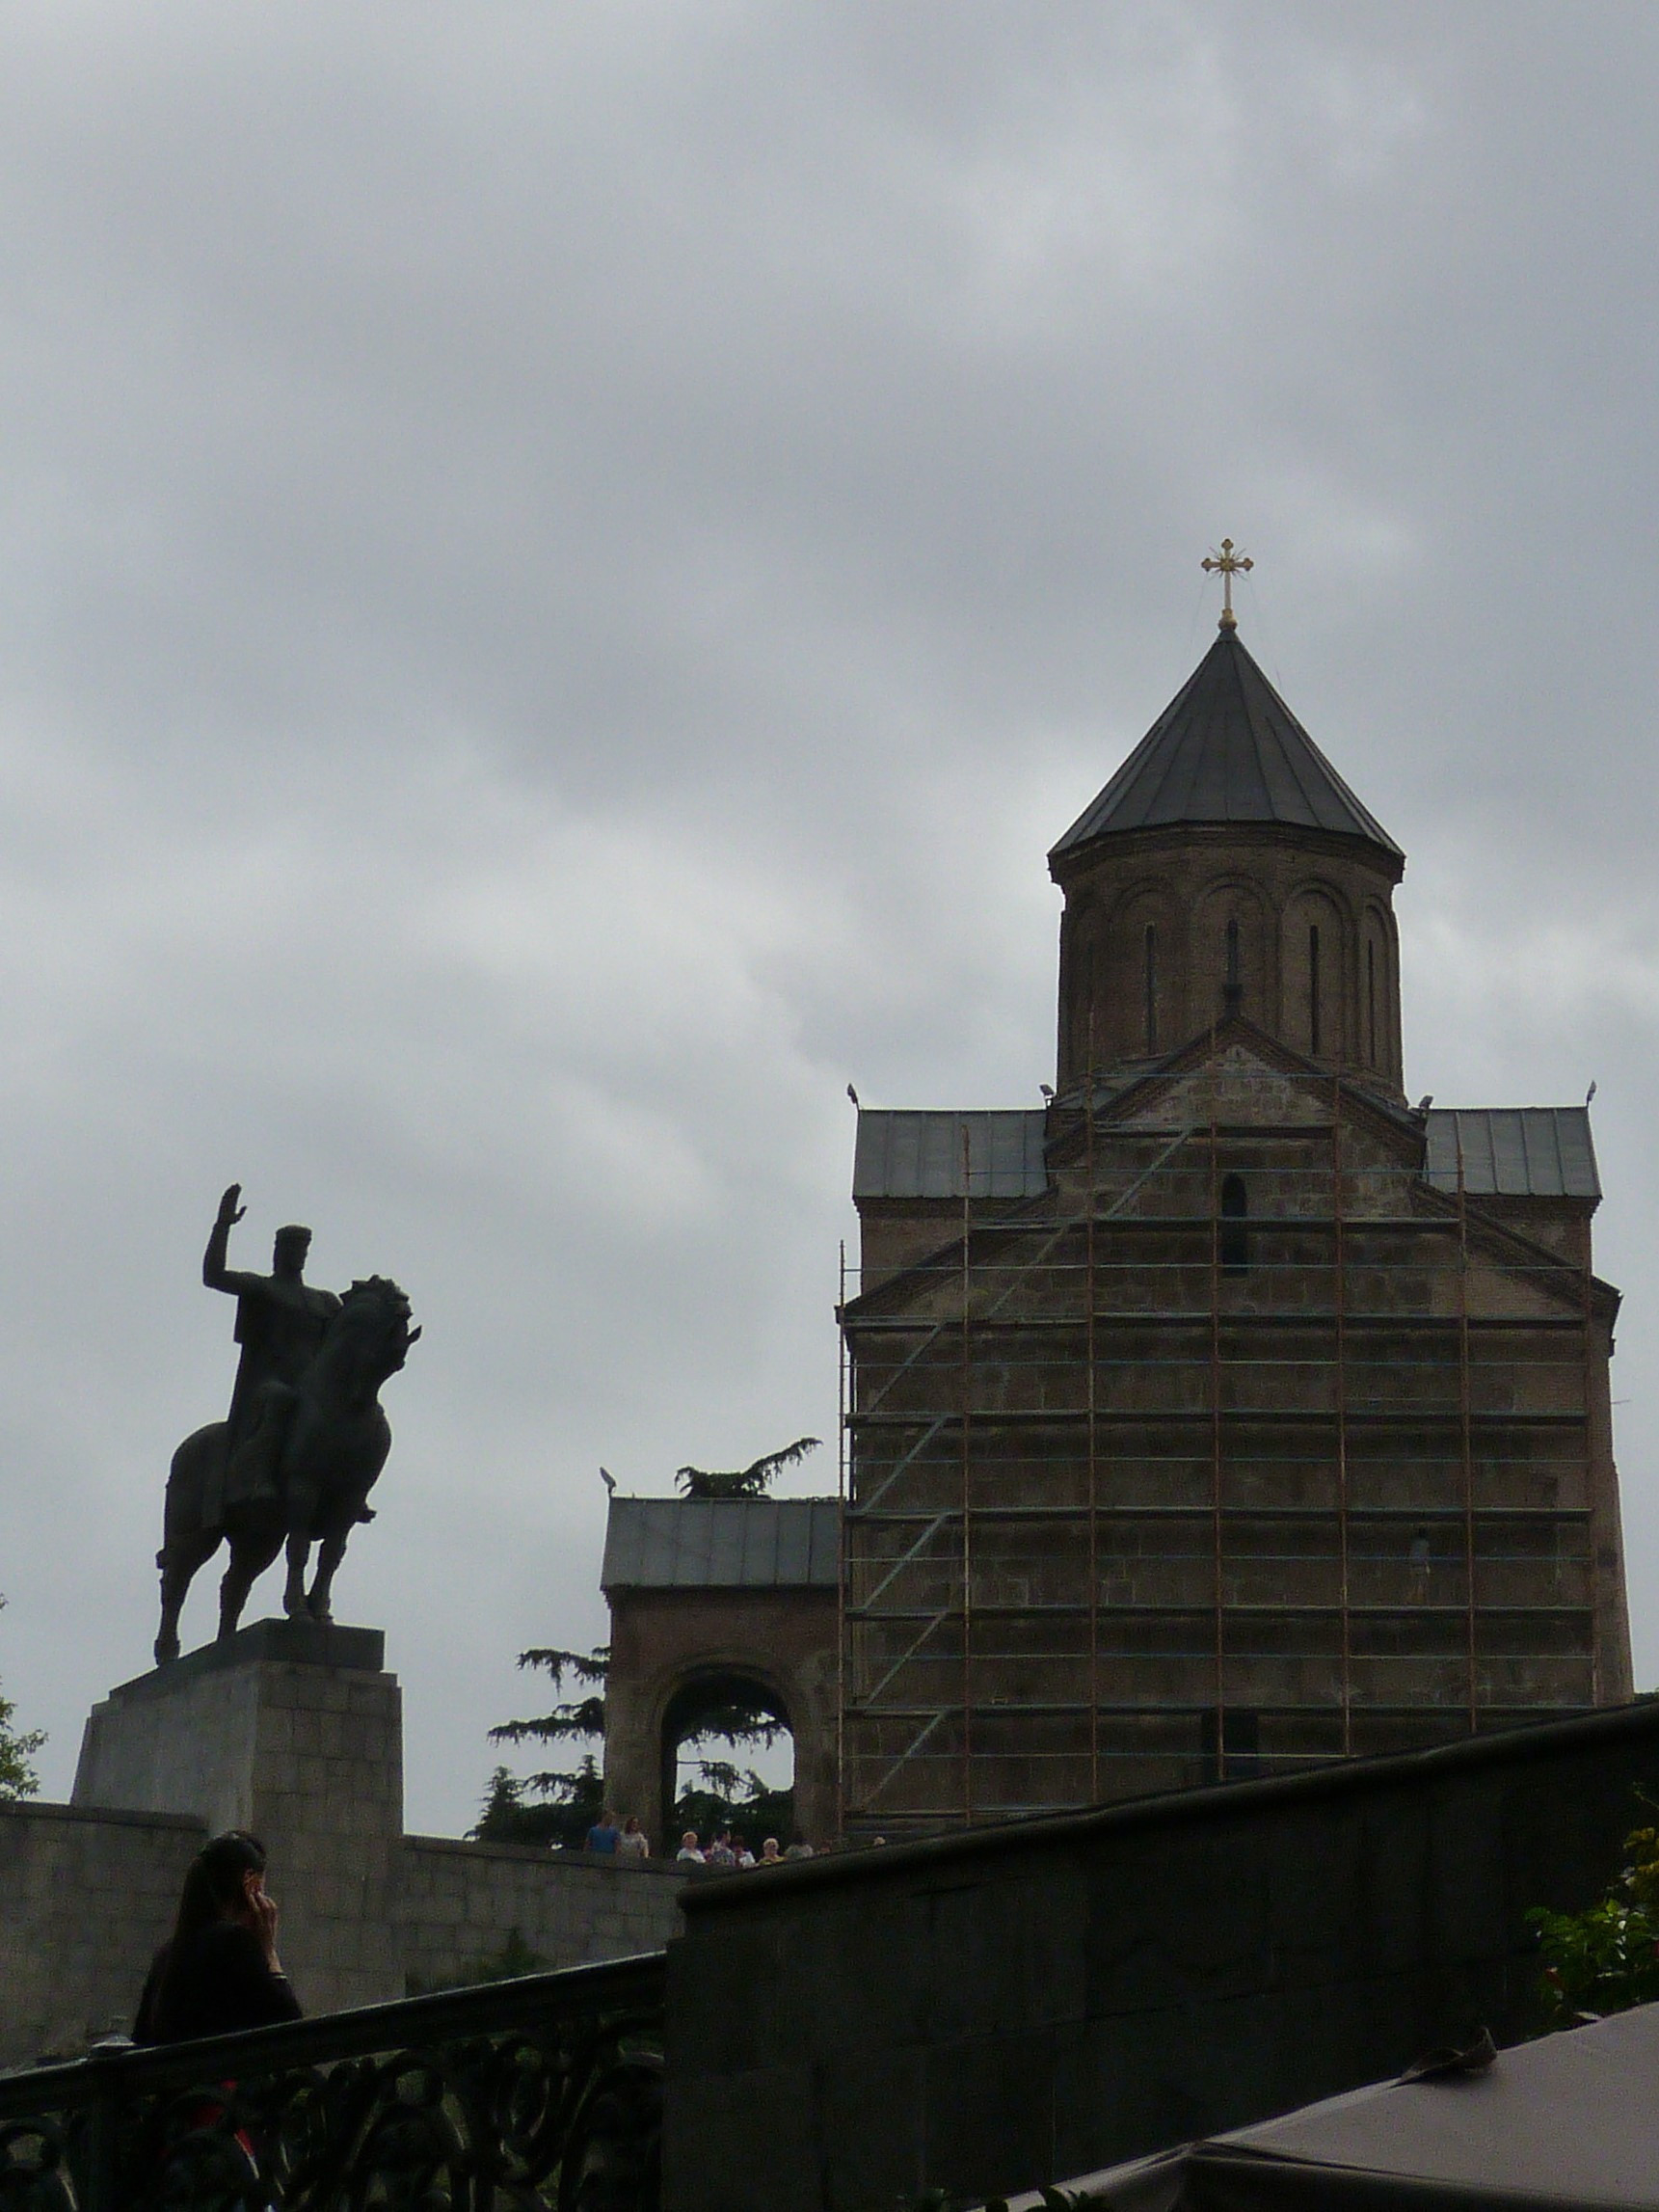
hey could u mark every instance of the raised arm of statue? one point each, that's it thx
(214, 1271)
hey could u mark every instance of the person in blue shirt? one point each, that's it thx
(604, 1835)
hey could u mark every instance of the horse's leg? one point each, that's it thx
(250, 1556)
(178, 1561)
(299, 1556)
(330, 1552)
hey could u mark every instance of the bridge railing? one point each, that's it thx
(543, 2092)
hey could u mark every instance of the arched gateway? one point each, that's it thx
(712, 1598)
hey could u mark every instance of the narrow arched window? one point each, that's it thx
(1371, 1001)
(1234, 1228)
(1150, 983)
(1313, 1004)
(1232, 984)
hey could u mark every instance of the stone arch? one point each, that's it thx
(1080, 922)
(1225, 901)
(696, 1691)
(1137, 1014)
(1315, 967)
(1376, 1044)
(668, 1640)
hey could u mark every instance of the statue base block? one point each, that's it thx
(294, 1731)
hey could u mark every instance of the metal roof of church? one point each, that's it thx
(1509, 1152)
(1514, 1152)
(920, 1155)
(1226, 749)
(721, 1544)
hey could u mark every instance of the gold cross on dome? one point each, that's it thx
(1227, 564)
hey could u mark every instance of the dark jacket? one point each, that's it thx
(222, 1983)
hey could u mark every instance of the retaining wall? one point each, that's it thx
(86, 1896)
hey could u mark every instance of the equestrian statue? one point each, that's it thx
(304, 1440)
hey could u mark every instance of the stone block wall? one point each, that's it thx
(293, 1730)
(461, 1902)
(85, 1899)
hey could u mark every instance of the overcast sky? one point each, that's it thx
(561, 567)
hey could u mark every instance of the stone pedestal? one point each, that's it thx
(294, 1731)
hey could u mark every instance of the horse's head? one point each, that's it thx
(371, 1330)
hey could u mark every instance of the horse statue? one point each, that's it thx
(301, 1476)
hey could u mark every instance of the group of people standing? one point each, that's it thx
(726, 1847)
(629, 1841)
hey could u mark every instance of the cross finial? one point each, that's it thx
(1227, 564)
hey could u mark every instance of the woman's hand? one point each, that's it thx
(262, 1917)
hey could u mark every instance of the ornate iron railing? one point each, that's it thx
(543, 2094)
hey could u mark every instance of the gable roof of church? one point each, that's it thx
(1226, 749)
(1509, 1152)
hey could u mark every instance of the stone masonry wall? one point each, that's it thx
(85, 1899)
(461, 1902)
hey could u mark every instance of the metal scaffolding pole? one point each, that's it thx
(1215, 1444)
(1467, 1427)
(966, 1489)
(1339, 1264)
(1093, 1474)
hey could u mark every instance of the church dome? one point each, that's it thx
(1226, 869)
(1226, 749)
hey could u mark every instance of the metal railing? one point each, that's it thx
(540, 2092)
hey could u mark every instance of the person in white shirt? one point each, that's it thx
(688, 1848)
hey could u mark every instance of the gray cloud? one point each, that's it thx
(561, 569)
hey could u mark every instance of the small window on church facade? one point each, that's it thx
(1234, 1228)
(1313, 980)
(1151, 986)
(1371, 1002)
(1232, 983)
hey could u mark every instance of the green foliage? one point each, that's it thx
(17, 1748)
(582, 1717)
(566, 1807)
(723, 1798)
(1606, 1959)
(749, 1481)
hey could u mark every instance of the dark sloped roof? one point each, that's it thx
(920, 1155)
(1569, 2121)
(1514, 1152)
(1509, 1152)
(1226, 749)
(721, 1544)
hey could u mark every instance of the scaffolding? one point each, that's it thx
(1238, 1448)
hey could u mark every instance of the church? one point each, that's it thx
(1229, 1413)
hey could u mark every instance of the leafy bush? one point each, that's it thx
(1606, 1959)
(18, 1749)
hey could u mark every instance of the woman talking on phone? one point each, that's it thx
(219, 1970)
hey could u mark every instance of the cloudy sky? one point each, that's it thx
(560, 568)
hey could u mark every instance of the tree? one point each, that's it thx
(749, 1481)
(17, 1748)
(1606, 1959)
(560, 1806)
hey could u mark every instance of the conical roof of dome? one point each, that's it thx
(1226, 749)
